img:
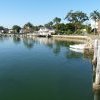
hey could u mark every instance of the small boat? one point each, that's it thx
(77, 48)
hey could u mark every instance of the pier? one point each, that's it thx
(96, 65)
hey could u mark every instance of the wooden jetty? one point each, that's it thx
(96, 65)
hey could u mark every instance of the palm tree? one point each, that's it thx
(49, 24)
(57, 20)
(95, 15)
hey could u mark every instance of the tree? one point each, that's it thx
(60, 28)
(56, 20)
(95, 15)
(28, 27)
(36, 28)
(77, 18)
(16, 28)
(49, 25)
(1, 28)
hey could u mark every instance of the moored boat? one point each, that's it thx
(78, 48)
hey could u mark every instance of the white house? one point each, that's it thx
(10, 31)
(1, 31)
(45, 31)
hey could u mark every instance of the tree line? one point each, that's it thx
(75, 22)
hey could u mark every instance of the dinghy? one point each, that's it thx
(77, 48)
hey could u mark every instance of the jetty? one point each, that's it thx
(96, 65)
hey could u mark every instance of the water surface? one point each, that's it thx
(43, 69)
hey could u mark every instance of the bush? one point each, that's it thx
(68, 32)
(78, 31)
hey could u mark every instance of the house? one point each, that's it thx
(22, 30)
(1, 31)
(11, 31)
(46, 31)
(26, 30)
(6, 30)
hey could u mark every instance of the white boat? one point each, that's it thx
(78, 48)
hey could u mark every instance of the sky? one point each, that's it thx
(19, 12)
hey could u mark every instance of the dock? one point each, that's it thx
(96, 65)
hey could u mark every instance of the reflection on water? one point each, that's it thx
(97, 95)
(3, 38)
(29, 43)
(73, 55)
(55, 45)
(47, 68)
(52, 44)
(16, 40)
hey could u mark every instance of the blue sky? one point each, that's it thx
(19, 12)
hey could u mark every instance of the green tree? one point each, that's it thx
(49, 25)
(77, 18)
(71, 27)
(16, 28)
(60, 28)
(1, 28)
(95, 15)
(56, 20)
(36, 28)
(28, 27)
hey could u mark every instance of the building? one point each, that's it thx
(1, 31)
(26, 30)
(22, 30)
(11, 31)
(46, 32)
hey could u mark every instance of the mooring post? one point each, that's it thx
(97, 79)
(97, 95)
(95, 51)
(96, 59)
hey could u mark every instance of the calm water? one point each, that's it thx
(43, 69)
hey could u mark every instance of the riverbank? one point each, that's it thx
(74, 38)
(87, 39)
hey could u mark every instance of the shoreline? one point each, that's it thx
(87, 39)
